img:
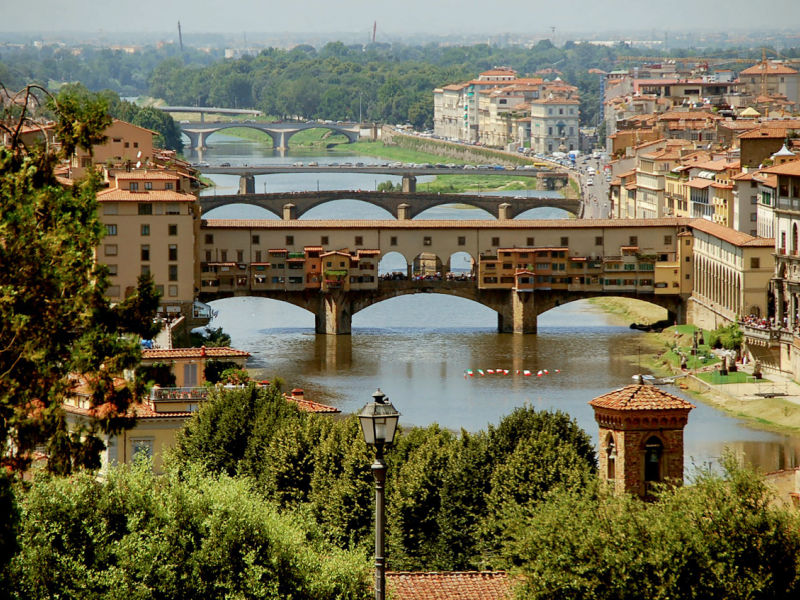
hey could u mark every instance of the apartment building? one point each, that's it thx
(494, 110)
(554, 123)
(151, 218)
(125, 143)
(502, 113)
(772, 78)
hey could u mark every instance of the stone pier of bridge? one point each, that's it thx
(518, 314)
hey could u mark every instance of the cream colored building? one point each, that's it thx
(554, 124)
(771, 78)
(125, 143)
(150, 217)
(731, 274)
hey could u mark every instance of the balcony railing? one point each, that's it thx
(178, 394)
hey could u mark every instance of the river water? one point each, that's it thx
(418, 348)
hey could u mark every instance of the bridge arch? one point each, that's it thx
(465, 290)
(673, 305)
(429, 211)
(308, 208)
(393, 262)
(461, 263)
(350, 136)
(273, 139)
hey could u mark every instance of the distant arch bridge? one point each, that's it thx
(280, 133)
(292, 205)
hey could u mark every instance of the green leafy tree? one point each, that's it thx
(210, 337)
(722, 537)
(178, 536)
(342, 486)
(232, 429)
(54, 318)
(215, 368)
(169, 134)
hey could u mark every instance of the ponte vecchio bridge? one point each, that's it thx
(519, 268)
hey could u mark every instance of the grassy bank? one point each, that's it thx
(631, 310)
(393, 153)
(733, 394)
(456, 184)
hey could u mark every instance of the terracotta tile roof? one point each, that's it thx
(771, 68)
(421, 224)
(788, 168)
(555, 100)
(640, 397)
(144, 410)
(212, 352)
(115, 121)
(465, 585)
(297, 397)
(737, 238)
(504, 72)
(139, 174)
(117, 195)
(700, 184)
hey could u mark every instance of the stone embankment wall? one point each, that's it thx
(391, 136)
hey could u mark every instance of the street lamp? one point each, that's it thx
(378, 424)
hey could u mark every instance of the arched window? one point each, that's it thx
(794, 238)
(611, 458)
(653, 451)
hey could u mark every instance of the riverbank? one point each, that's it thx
(780, 414)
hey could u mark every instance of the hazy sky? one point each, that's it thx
(398, 17)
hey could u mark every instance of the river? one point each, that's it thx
(418, 348)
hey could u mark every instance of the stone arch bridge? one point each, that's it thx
(400, 204)
(517, 312)
(280, 133)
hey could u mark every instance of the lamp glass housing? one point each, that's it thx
(379, 422)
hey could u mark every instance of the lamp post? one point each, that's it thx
(378, 424)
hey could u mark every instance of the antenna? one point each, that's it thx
(180, 36)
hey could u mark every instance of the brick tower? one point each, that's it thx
(641, 437)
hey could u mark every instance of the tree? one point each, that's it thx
(232, 429)
(55, 321)
(169, 134)
(721, 537)
(210, 337)
(180, 536)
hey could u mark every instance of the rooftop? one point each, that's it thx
(118, 195)
(464, 585)
(640, 397)
(771, 68)
(419, 224)
(202, 352)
